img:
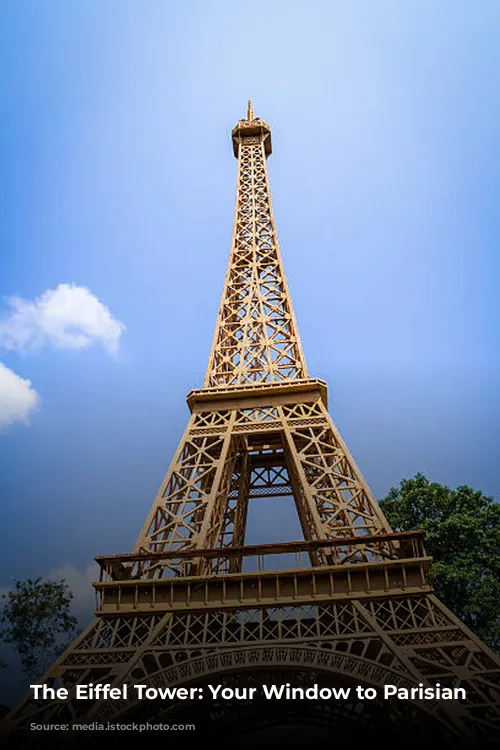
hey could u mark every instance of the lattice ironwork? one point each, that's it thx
(269, 450)
(360, 641)
(357, 606)
(256, 338)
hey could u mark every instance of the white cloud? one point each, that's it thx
(68, 317)
(17, 398)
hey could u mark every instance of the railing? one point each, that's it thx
(211, 562)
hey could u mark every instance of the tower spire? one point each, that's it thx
(256, 338)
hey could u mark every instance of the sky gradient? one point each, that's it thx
(118, 176)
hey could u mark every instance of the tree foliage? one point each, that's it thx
(463, 536)
(35, 620)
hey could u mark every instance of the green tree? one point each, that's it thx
(463, 536)
(35, 620)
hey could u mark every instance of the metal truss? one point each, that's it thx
(260, 446)
(183, 607)
(256, 338)
(402, 640)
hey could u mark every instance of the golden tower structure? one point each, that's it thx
(193, 604)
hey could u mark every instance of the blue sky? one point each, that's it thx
(118, 176)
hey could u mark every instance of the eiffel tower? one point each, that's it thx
(350, 604)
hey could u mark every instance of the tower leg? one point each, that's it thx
(405, 641)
